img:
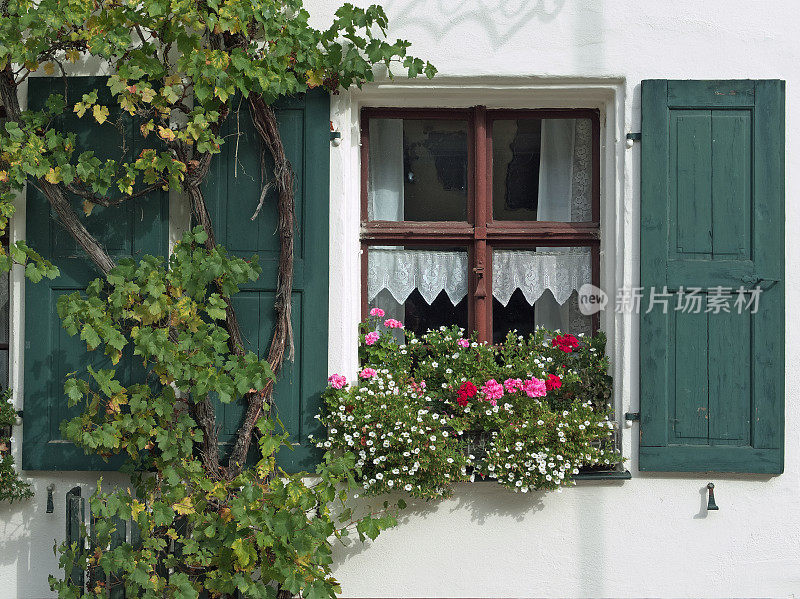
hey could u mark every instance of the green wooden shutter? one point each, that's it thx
(232, 192)
(711, 385)
(138, 227)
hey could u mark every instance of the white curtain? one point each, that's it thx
(547, 276)
(386, 199)
(555, 185)
(386, 185)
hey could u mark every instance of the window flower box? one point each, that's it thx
(442, 408)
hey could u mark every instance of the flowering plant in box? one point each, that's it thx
(442, 408)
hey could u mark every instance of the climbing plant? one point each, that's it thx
(254, 534)
(176, 67)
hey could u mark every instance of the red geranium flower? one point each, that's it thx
(565, 343)
(553, 382)
(466, 391)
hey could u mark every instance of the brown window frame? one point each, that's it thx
(480, 233)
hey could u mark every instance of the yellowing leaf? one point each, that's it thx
(148, 95)
(136, 508)
(241, 552)
(87, 207)
(184, 506)
(52, 176)
(166, 133)
(73, 55)
(146, 128)
(49, 68)
(313, 78)
(100, 113)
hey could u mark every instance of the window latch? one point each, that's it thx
(478, 270)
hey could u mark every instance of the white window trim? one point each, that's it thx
(619, 262)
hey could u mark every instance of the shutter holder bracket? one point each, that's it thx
(632, 137)
(632, 416)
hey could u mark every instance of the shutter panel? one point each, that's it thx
(232, 191)
(712, 215)
(136, 228)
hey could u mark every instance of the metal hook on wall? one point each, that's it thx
(50, 507)
(712, 505)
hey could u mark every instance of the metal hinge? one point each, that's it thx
(634, 136)
(631, 415)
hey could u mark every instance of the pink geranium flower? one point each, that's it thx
(513, 385)
(367, 373)
(463, 342)
(492, 390)
(377, 312)
(393, 324)
(337, 381)
(372, 337)
(535, 387)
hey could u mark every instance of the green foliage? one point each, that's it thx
(168, 58)
(199, 530)
(440, 409)
(11, 486)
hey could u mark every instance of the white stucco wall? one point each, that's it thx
(649, 536)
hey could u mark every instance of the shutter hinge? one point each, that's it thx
(631, 415)
(634, 136)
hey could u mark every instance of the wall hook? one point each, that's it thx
(50, 508)
(712, 505)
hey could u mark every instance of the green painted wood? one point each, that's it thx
(137, 228)
(690, 177)
(689, 361)
(703, 94)
(710, 458)
(712, 214)
(232, 191)
(729, 390)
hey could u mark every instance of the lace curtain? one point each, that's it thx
(400, 271)
(564, 195)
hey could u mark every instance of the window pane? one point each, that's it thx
(422, 288)
(417, 170)
(539, 288)
(542, 170)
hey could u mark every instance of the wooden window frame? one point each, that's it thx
(480, 234)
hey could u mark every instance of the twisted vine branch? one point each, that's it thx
(266, 124)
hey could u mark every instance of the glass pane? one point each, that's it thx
(539, 289)
(417, 170)
(542, 169)
(422, 288)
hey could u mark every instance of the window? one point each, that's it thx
(488, 219)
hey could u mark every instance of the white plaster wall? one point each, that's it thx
(646, 537)
(650, 536)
